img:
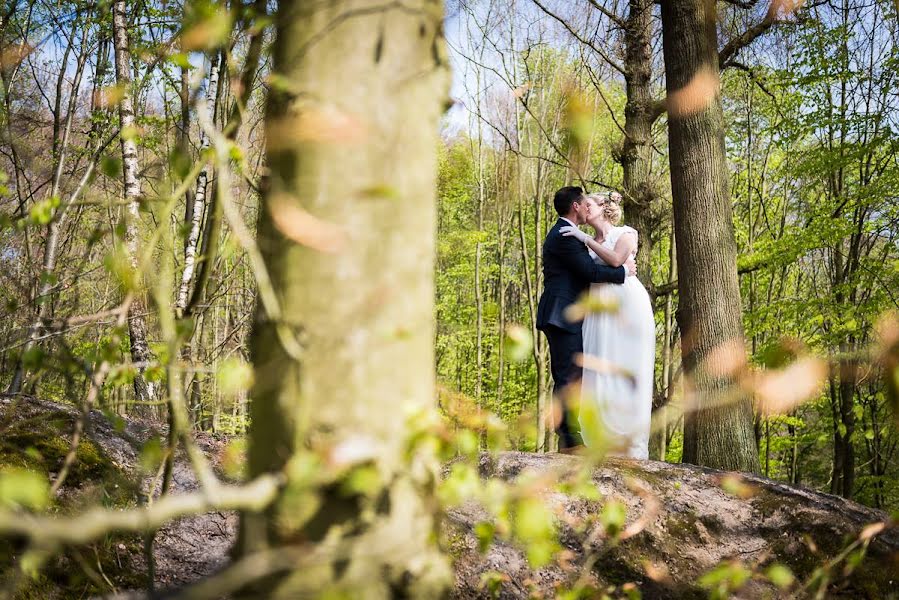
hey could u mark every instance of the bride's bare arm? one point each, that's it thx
(624, 247)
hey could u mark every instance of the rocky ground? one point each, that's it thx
(692, 520)
(693, 525)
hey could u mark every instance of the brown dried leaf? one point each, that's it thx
(651, 508)
(887, 329)
(109, 97)
(727, 359)
(779, 391)
(601, 365)
(780, 9)
(304, 228)
(319, 124)
(696, 96)
(735, 485)
(658, 572)
(871, 530)
(522, 89)
(13, 55)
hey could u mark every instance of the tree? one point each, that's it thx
(145, 391)
(718, 434)
(351, 138)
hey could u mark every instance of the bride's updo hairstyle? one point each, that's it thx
(609, 207)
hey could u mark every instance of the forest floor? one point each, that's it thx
(35, 434)
(693, 519)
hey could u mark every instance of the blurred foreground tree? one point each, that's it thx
(347, 237)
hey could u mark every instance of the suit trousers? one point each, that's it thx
(563, 347)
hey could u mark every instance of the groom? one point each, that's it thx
(568, 272)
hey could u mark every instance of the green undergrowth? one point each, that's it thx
(39, 444)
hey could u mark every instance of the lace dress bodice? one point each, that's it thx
(612, 239)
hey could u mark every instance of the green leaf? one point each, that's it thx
(111, 166)
(613, 516)
(206, 26)
(461, 484)
(485, 531)
(364, 481)
(151, 455)
(20, 488)
(533, 521)
(42, 212)
(234, 459)
(492, 581)
(467, 442)
(780, 576)
(725, 578)
(154, 373)
(181, 59)
(180, 162)
(234, 375)
(119, 266)
(518, 343)
(130, 133)
(540, 552)
(32, 561)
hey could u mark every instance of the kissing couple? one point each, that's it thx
(607, 359)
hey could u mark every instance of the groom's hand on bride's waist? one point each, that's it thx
(630, 266)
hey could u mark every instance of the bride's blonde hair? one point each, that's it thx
(609, 207)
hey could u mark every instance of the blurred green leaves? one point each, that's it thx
(234, 376)
(207, 25)
(21, 488)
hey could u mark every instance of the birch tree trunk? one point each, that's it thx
(146, 392)
(351, 139)
(199, 196)
(717, 434)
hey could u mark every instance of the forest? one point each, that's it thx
(280, 262)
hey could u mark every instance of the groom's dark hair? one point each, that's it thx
(565, 197)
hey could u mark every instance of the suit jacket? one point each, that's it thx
(568, 272)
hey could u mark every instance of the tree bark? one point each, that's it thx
(717, 434)
(639, 115)
(351, 137)
(199, 197)
(146, 392)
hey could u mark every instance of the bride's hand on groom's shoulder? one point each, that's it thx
(569, 230)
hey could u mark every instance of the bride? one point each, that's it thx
(619, 345)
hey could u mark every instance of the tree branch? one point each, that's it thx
(744, 39)
(660, 291)
(743, 3)
(97, 522)
(577, 36)
(609, 14)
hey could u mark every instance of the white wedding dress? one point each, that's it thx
(616, 406)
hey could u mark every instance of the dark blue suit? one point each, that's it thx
(568, 272)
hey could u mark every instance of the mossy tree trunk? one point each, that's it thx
(352, 129)
(718, 434)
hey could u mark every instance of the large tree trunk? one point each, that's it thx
(351, 138)
(146, 392)
(639, 115)
(716, 435)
